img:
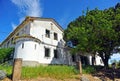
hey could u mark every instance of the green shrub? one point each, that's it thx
(5, 54)
(7, 69)
(88, 69)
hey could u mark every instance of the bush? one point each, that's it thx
(88, 69)
(7, 69)
(5, 54)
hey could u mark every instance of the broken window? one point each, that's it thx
(47, 33)
(55, 36)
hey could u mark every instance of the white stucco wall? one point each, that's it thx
(28, 52)
(22, 31)
(98, 60)
(37, 30)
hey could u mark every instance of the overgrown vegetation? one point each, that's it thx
(117, 63)
(5, 54)
(52, 71)
(88, 69)
(6, 68)
(96, 31)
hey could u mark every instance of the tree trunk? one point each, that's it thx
(105, 61)
(93, 60)
(80, 67)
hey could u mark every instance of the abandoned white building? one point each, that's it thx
(40, 41)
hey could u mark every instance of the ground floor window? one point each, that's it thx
(47, 52)
(55, 54)
(22, 45)
(73, 58)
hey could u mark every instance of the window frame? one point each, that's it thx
(55, 36)
(47, 33)
(56, 54)
(48, 52)
(22, 45)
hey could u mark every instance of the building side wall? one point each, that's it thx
(10, 42)
(27, 50)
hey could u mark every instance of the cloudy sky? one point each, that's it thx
(13, 12)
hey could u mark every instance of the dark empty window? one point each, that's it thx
(101, 61)
(55, 36)
(12, 40)
(47, 52)
(55, 54)
(48, 33)
(73, 58)
(22, 45)
(8, 43)
(17, 34)
(35, 46)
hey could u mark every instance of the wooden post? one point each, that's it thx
(80, 67)
(17, 66)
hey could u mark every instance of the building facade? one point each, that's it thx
(39, 41)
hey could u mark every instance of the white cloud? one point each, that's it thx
(14, 26)
(21, 19)
(27, 8)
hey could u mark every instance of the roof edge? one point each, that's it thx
(27, 20)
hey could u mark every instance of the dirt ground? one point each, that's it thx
(77, 78)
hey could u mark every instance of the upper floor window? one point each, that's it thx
(55, 36)
(8, 43)
(17, 34)
(47, 52)
(47, 34)
(11, 39)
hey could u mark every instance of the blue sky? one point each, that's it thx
(63, 11)
(114, 57)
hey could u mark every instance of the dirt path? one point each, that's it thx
(76, 78)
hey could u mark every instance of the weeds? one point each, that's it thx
(88, 69)
(7, 69)
(52, 71)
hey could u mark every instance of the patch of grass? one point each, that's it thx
(52, 71)
(88, 69)
(7, 69)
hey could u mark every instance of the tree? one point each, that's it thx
(5, 54)
(97, 31)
